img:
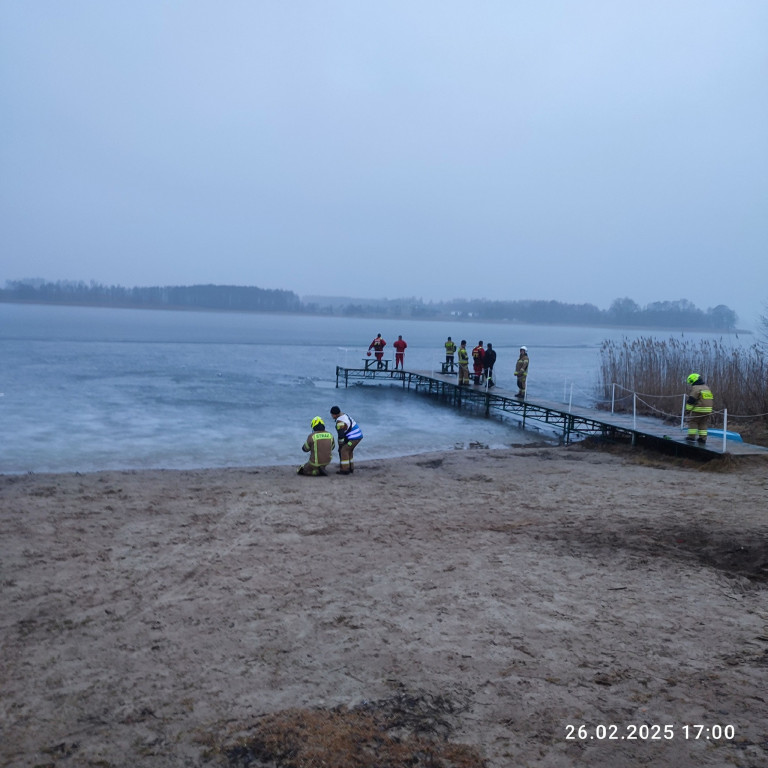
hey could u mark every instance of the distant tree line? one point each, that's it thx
(624, 313)
(221, 297)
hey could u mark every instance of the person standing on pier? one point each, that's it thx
(698, 408)
(399, 346)
(478, 353)
(349, 434)
(450, 351)
(463, 363)
(377, 345)
(489, 360)
(521, 371)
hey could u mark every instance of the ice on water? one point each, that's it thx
(87, 389)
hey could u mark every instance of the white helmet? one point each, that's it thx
(525, 349)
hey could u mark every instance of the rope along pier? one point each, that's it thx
(566, 420)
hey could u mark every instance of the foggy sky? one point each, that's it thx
(578, 151)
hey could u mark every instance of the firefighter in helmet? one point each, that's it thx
(319, 445)
(521, 371)
(698, 408)
(463, 363)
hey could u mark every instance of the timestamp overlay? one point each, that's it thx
(649, 732)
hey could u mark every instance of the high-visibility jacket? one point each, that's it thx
(463, 356)
(320, 447)
(347, 428)
(450, 347)
(521, 369)
(700, 399)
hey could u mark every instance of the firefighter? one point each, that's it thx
(319, 445)
(377, 345)
(349, 434)
(698, 408)
(521, 371)
(478, 353)
(463, 363)
(450, 351)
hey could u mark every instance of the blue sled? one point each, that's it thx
(728, 435)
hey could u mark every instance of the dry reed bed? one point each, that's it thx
(657, 370)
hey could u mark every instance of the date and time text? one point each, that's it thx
(645, 732)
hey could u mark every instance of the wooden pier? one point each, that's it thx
(561, 419)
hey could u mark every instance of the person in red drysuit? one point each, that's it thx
(377, 345)
(399, 346)
(478, 353)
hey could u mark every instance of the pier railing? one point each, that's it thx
(562, 420)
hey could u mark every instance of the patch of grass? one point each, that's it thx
(404, 731)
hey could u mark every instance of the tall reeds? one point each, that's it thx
(657, 370)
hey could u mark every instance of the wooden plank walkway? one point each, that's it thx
(559, 418)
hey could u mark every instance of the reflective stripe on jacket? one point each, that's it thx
(320, 447)
(700, 399)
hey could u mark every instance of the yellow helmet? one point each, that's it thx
(317, 421)
(693, 378)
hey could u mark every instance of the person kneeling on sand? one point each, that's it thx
(319, 445)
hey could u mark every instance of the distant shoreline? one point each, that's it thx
(383, 317)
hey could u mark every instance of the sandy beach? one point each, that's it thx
(495, 599)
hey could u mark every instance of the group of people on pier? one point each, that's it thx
(483, 362)
(378, 344)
